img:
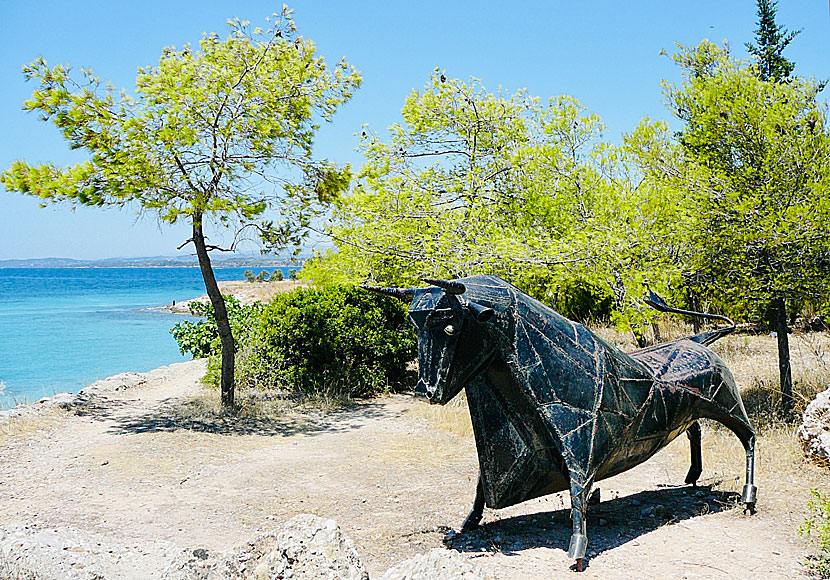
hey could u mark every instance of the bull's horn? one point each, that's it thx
(403, 294)
(448, 285)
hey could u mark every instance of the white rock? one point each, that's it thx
(814, 431)
(307, 548)
(69, 554)
(437, 564)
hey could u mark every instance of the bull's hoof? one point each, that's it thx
(750, 507)
(580, 565)
(750, 494)
(470, 523)
(576, 550)
(693, 475)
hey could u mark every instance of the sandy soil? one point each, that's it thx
(132, 465)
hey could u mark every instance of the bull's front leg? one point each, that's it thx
(579, 538)
(697, 462)
(474, 516)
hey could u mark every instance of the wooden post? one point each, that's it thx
(778, 320)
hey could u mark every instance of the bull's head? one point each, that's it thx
(452, 344)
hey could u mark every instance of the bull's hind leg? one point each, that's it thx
(750, 493)
(474, 517)
(740, 427)
(697, 463)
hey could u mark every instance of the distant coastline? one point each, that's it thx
(157, 262)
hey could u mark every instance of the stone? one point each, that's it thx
(814, 432)
(307, 548)
(32, 551)
(437, 564)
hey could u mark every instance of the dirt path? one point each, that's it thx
(130, 465)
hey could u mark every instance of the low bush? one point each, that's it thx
(337, 342)
(817, 528)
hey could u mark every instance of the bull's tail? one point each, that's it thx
(705, 338)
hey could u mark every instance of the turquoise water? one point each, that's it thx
(63, 328)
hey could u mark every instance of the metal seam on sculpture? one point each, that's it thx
(559, 349)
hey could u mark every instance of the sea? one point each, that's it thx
(64, 328)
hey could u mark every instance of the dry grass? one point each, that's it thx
(454, 417)
(20, 427)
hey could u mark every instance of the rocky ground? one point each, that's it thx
(135, 462)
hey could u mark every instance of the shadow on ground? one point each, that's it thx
(173, 415)
(611, 524)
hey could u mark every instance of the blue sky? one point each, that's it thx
(604, 53)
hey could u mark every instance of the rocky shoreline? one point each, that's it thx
(245, 292)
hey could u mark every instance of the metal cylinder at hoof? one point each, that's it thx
(578, 545)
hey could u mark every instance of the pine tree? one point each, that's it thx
(770, 41)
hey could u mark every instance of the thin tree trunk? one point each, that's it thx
(655, 328)
(694, 304)
(778, 319)
(220, 314)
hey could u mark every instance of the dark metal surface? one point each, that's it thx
(553, 406)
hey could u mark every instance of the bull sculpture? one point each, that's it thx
(553, 406)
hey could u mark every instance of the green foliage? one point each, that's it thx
(201, 339)
(753, 169)
(817, 528)
(584, 301)
(276, 276)
(770, 41)
(249, 276)
(474, 182)
(337, 342)
(203, 122)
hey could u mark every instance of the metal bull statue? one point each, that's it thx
(553, 406)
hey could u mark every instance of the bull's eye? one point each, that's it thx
(449, 329)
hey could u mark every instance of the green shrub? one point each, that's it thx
(583, 301)
(337, 342)
(276, 276)
(817, 528)
(201, 339)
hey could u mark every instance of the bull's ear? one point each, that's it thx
(481, 313)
